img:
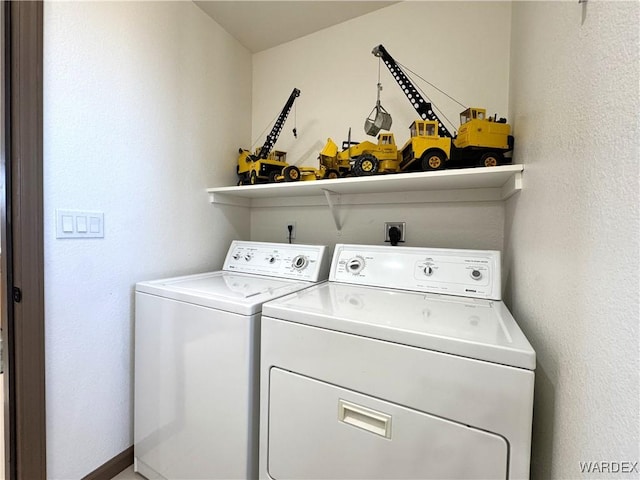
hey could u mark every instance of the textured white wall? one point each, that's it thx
(145, 104)
(461, 47)
(451, 225)
(572, 233)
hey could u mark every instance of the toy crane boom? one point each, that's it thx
(265, 165)
(420, 104)
(277, 127)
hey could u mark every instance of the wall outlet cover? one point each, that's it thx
(402, 226)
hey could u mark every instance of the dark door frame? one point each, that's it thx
(22, 299)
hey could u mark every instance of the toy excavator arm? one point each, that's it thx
(413, 95)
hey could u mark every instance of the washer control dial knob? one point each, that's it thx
(355, 265)
(300, 262)
(248, 257)
(271, 259)
(476, 274)
(428, 270)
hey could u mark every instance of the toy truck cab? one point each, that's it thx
(472, 113)
(387, 142)
(425, 145)
(387, 153)
(489, 137)
(252, 169)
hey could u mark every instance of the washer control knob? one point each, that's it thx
(476, 274)
(428, 270)
(248, 257)
(300, 262)
(355, 265)
(236, 256)
(271, 259)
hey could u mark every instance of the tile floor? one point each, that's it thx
(128, 474)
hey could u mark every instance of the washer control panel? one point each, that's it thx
(300, 262)
(468, 273)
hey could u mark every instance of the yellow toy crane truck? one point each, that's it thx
(480, 141)
(265, 165)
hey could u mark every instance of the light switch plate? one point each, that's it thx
(79, 224)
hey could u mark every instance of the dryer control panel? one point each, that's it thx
(299, 262)
(467, 273)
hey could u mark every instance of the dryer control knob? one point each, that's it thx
(248, 257)
(300, 262)
(355, 265)
(428, 270)
(476, 274)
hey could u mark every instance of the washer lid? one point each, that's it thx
(233, 292)
(473, 328)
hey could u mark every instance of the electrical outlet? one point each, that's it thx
(293, 230)
(402, 226)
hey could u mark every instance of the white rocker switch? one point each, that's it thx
(81, 224)
(67, 223)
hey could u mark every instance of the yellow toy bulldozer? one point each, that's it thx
(363, 158)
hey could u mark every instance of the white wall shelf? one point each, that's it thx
(455, 185)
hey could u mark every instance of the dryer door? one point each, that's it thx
(318, 430)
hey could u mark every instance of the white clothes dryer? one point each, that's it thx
(405, 365)
(197, 354)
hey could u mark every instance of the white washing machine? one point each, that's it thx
(197, 360)
(405, 365)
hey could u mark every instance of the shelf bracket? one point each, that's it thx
(513, 185)
(330, 196)
(222, 199)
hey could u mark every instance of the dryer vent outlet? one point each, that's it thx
(401, 226)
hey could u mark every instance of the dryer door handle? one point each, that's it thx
(364, 418)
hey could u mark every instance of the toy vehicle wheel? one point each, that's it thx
(253, 178)
(331, 174)
(366, 164)
(243, 179)
(272, 176)
(433, 160)
(491, 159)
(291, 173)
